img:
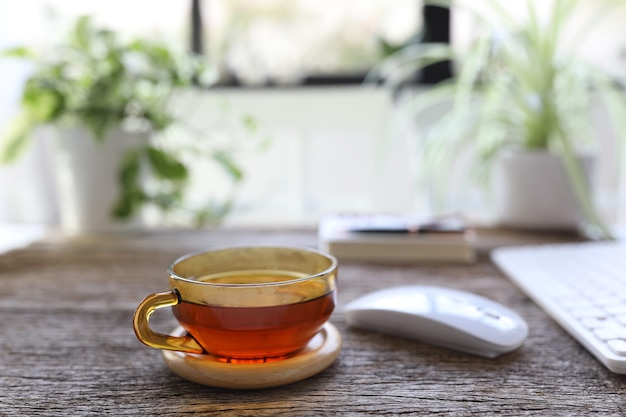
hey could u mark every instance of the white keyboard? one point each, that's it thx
(582, 286)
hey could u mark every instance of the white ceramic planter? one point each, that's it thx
(86, 174)
(531, 191)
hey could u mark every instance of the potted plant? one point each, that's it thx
(107, 97)
(520, 96)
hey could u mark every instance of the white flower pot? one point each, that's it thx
(531, 191)
(86, 174)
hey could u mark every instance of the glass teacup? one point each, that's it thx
(244, 304)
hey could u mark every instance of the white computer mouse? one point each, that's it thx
(440, 316)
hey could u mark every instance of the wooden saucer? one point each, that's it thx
(206, 369)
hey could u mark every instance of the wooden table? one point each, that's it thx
(67, 346)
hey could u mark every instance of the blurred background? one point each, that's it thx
(297, 68)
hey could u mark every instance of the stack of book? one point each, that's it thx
(396, 238)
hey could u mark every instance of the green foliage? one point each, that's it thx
(132, 196)
(166, 166)
(17, 138)
(228, 164)
(172, 173)
(519, 85)
(98, 81)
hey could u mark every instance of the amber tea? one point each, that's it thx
(270, 331)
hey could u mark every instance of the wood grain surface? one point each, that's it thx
(67, 347)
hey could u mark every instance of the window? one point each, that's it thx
(265, 42)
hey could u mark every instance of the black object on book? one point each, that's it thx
(406, 224)
(395, 238)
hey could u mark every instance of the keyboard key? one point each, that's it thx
(593, 323)
(616, 310)
(617, 346)
(617, 329)
(606, 300)
(605, 334)
(574, 302)
(588, 312)
(558, 289)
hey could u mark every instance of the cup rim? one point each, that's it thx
(331, 267)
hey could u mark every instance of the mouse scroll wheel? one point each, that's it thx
(491, 313)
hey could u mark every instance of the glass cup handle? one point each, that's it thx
(156, 340)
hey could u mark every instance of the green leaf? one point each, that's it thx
(250, 123)
(131, 195)
(99, 121)
(16, 139)
(229, 165)
(166, 166)
(167, 201)
(81, 33)
(159, 120)
(387, 48)
(44, 104)
(128, 172)
(19, 52)
(126, 205)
